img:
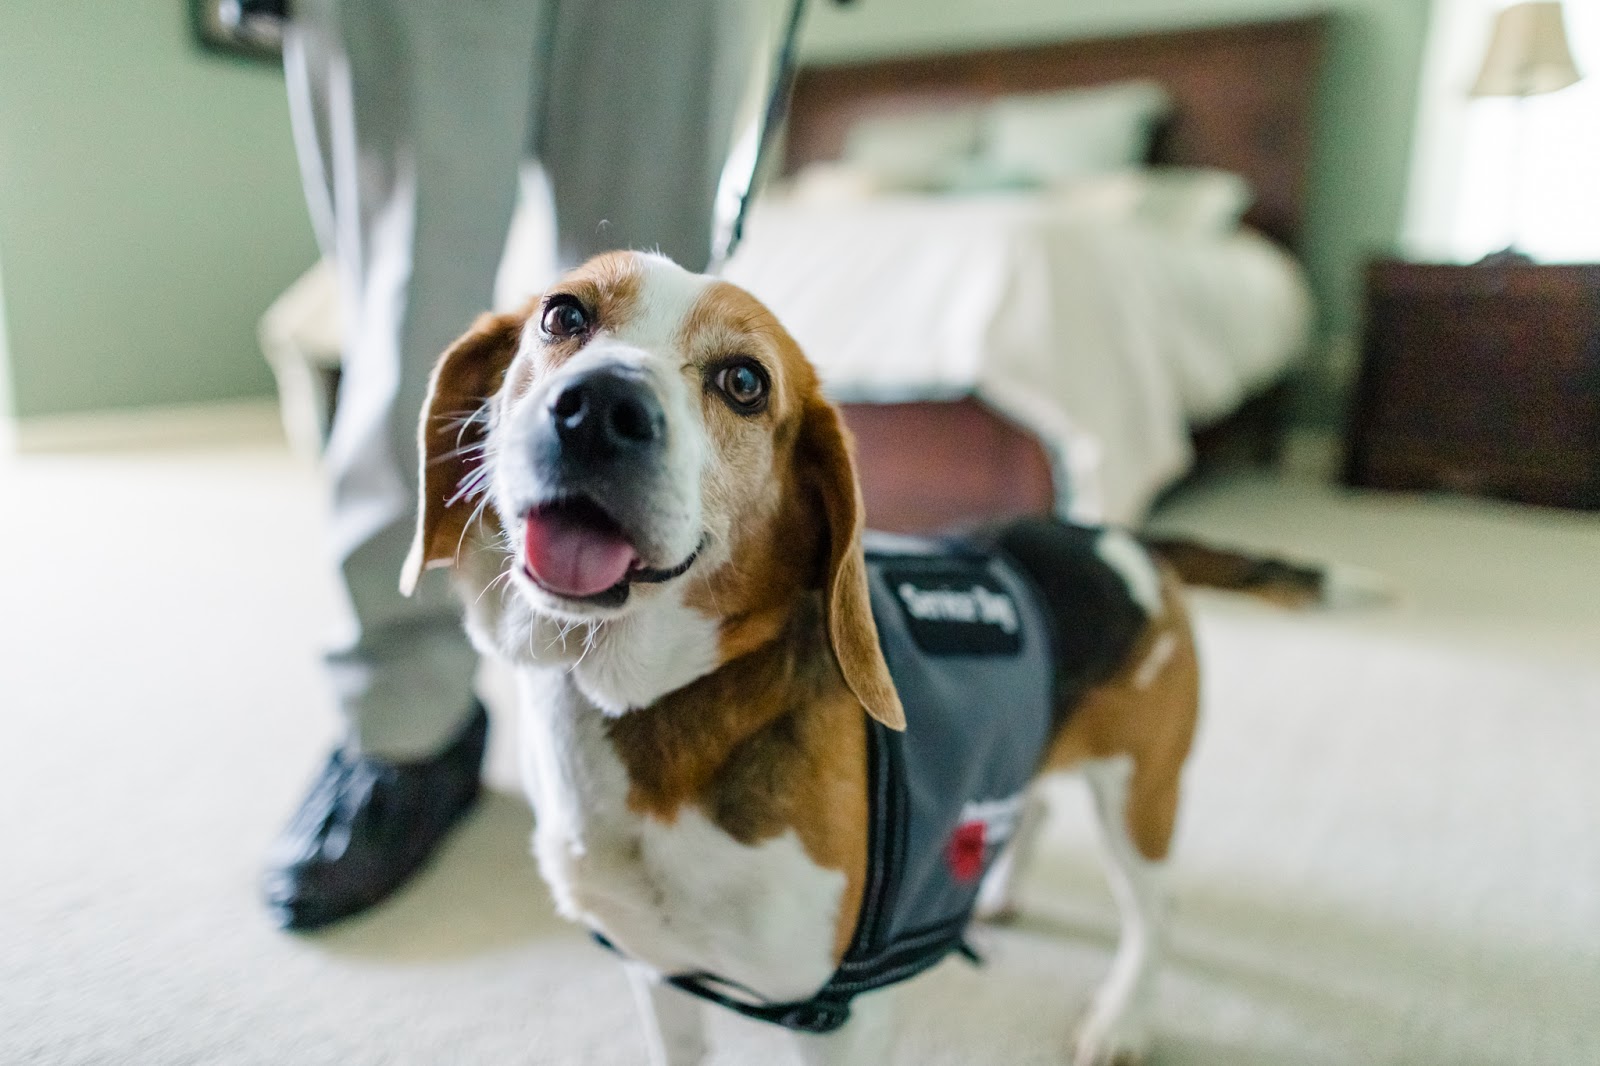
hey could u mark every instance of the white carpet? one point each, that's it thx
(1389, 853)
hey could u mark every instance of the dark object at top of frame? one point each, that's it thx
(245, 29)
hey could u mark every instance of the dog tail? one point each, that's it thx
(1275, 580)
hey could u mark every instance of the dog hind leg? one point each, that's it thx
(1135, 819)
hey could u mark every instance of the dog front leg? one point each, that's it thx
(867, 1039)
(674, 1024)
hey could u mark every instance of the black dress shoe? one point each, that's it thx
(368, 825)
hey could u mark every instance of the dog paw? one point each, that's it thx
(1120, 1042)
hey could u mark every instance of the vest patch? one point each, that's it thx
(984, 829)
(956, 610)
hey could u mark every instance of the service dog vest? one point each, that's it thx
(969, 647)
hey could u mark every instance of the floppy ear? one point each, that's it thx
(451, 438)
(826, 458)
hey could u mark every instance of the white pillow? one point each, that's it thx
(1195, 200)
(918, 149)
(835, 181)
(1192, 201)
(1059, 136)
(983, 175)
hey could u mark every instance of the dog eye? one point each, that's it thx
(564, 317)
(745, 384)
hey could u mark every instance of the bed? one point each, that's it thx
(1006, 351)
(1019, 394)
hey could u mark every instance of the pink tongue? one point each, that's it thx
(573, 558)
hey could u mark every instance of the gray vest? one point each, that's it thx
(970, 651)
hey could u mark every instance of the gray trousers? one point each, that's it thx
(412, 118)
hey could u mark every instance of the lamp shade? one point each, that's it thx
(1528, 53)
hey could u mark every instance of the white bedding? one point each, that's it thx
(1107, 340)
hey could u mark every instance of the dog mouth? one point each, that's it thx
(573, 549)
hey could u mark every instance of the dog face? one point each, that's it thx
(645, 458)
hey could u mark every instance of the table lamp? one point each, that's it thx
(1528, 55)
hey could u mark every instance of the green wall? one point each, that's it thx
(149, 208)
(1367, 108)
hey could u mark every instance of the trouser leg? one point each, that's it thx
(416, 112)
(642, 103)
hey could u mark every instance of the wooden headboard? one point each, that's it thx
(1243, 95)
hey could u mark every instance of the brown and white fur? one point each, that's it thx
(696, 756)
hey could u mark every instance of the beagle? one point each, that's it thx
(652, 514)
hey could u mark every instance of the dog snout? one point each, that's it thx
(607, 414)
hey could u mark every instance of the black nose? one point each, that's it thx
(607, 413)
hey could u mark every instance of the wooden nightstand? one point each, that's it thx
(1482, 379)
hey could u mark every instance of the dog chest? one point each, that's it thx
(680, 896)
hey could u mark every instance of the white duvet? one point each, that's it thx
(1109, 341)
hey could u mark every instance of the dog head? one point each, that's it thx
(639, 474)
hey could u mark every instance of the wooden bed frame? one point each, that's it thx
(1243, 101)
